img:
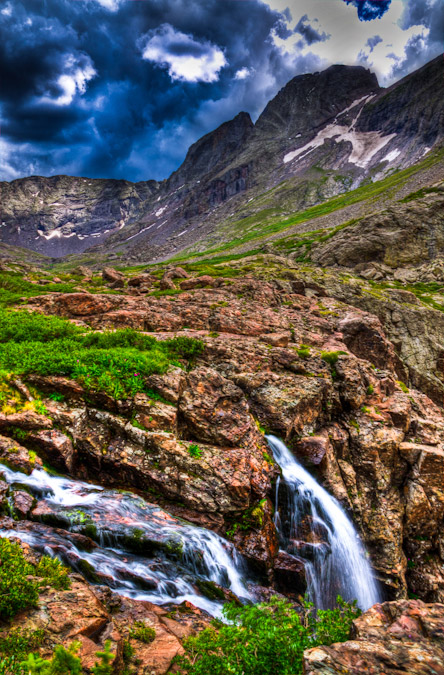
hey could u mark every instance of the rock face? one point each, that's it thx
(403, 236)
(321, 135)
(395, 637)
(375, 445)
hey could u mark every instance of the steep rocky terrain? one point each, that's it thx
(282, 353)
(322, 135)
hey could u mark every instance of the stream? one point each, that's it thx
(143, 552)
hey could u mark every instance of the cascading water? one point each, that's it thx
(316, 530)
(143, 552)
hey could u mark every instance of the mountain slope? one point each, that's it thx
(322, 135)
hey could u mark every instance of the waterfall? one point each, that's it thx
(316, 530)
(143, 552)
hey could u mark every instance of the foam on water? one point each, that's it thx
(336, 562)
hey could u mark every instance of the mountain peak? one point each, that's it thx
(215, 150)
(308, 101)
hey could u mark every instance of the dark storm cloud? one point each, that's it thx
(75, 79)
(368, 10)
(309, 32)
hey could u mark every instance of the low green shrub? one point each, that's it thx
(194, 451)
(264, 639)
(113, 362)
(53, 572)
(18, 642)
(331, 357)
(67, 662)
(140, 631)
(17, 592)
(18, 588)
(26, 327)
(303, 352)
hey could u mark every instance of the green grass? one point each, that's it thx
(115, 362)
(419, 194)
(13, 288)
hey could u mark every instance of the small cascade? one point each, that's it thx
(315, 529)
(142, 552)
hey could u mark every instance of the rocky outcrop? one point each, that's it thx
(392, 638)
(403, 236)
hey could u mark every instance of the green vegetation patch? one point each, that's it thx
(20, 581)
(140, 631)
(13, 288)
(265, 639)
(115, 362)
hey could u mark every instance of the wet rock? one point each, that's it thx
(199, 282)
(167, 283)
(214, 409)
(16, 457)
(259, 544)
(141, 280)
(276, 339)
(395, 637)
(154, 415)
(364, 336)
(84, 304)
(289, 575)
(168, 385)
(55, 446)
(70, 389)
(85, 271)
(22, 503)
(4, 488)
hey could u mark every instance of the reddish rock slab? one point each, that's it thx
(395, 638)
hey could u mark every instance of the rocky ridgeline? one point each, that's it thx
(279, 355)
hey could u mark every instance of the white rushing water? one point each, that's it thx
(334, 558)
(174, 555)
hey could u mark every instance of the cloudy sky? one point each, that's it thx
(121, 88)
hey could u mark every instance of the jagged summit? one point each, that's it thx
(308, 101)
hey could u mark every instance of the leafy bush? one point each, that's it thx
(63, 662)
(303, 351)
(104, 666)
(140, 631)
(17, 643)
(114, 362)
(264, 639)
(54, 573)
(331, 357)
(13, 288)
(185, 347)
(194, 451)
(25, 327)
(17, 591)
(66, 662)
